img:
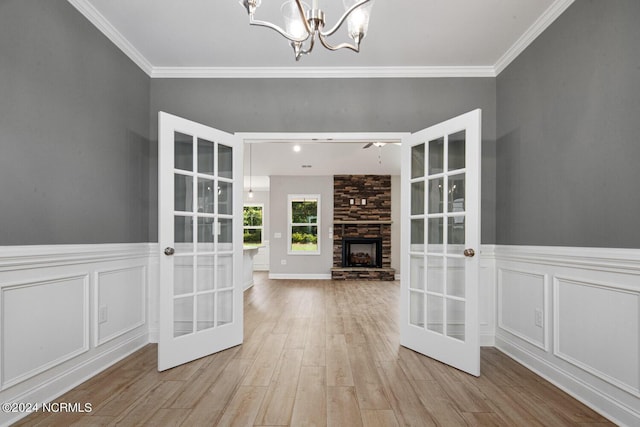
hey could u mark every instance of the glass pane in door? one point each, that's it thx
(224, 272)
(417, 161)
(417, 198)
(206, 273)
(182, 316)
(206, 311)
(455, 319)
(183, 151)
(183, 233)
(435, 234)
(225, 198)
(225, 161)
(182, 275)
(456, 148)
(436, 156)
(435, 307)
(224, 313)
(416, 308)
(417, 234)
(455, 277)
(455, 197)
(206, 157)
(455, 234)
(417, 272)
(205, 234)
(435, 196)
(183, 193)
(206, 199)
(225, 234)
(435, 274)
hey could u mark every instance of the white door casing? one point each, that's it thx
(200, 239)
(440, 234)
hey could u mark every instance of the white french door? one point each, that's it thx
(440, 237)
(200, 238)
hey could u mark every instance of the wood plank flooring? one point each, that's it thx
(319, 353)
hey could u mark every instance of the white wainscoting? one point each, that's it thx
(68, 312)
(487, 296)
(586, 339)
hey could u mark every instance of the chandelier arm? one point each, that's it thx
(344, 16)
(325, 43)
(310, 48)
(303, 17)
(299, 50)
(277, 29)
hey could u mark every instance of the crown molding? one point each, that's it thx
(542, 23)
(102, 24)
(320, 72)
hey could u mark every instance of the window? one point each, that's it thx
(304, 224)
(253, 224)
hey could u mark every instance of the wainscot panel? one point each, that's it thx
(572, 315)
(44, 324)
(522, 297)
(69, 312)
(120, 302)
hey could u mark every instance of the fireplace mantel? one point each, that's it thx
(344, 223)
(361, 222)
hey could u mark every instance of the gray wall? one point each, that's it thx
(333, 105)
(280, 188)
(568, 132)
(74, 123)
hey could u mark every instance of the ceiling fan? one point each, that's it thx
(377, 144)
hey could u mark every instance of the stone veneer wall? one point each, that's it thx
(376, 189)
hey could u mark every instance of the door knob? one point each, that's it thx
(469, 253)
(169, 251)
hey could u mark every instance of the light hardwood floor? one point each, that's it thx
(319, 353)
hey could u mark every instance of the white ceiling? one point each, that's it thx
(264, 159)
(415, 38)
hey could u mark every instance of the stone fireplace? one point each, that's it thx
(362, 227)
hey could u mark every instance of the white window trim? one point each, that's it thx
(290, 225)
(253, 227)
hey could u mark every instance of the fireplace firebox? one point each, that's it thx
(362, 252)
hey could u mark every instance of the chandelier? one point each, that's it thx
(303, 24)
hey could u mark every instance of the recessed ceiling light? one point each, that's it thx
(297, 148)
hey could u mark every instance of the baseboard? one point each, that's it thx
(299, 276)
(487, 340)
